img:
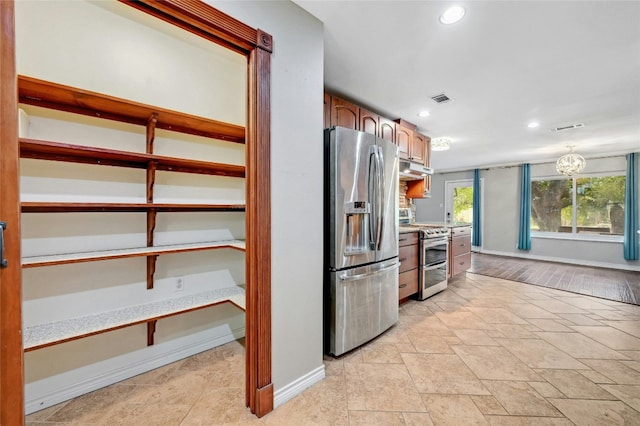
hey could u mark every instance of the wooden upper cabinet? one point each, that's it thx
(419, 188)
(404, 138)
(368, 122)
(327, 111)
(411, 144)
(419, 147)
(344, 114)
(387, 129)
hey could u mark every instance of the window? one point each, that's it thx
(579, 205)
(463, 204)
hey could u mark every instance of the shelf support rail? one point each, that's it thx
(151, 214)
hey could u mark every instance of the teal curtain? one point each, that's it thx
(631, 226)
(524, 231)
(476, 236)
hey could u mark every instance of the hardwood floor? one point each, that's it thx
(612, 284)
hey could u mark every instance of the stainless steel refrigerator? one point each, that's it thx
(361, 238)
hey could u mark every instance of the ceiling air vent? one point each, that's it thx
(441, 98)
(571, 126)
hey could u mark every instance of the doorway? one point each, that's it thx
(202, 20)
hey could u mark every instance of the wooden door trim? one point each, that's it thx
(11, 355)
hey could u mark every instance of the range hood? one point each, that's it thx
(413, 171)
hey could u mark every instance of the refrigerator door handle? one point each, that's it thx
(380, 198)
(345, 277)
(373, 195)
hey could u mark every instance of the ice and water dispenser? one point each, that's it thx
(357, 227)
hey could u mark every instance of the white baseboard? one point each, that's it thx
(562, 260)
(135, 364)
(296, 387)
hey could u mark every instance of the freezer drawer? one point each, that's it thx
(363, 304)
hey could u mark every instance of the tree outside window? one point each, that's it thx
(463, 204)
(585, 205)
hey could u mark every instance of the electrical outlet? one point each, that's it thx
(179, 284)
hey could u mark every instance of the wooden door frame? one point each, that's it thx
(11, 354)
(208, 22)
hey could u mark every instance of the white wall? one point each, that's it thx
(296, 187)
(501, 216)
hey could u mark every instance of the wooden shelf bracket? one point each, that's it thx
(151, 330)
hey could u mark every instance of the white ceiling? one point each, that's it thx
(506, 63)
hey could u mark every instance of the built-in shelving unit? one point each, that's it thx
(64, 98)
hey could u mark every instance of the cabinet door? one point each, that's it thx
(419, 188)
(460, 245)
(408, 283)
(368, 122)
(419, 148)
(404, 137)
(387, 129)
(344, 114)
(460, 264)
(408, 257)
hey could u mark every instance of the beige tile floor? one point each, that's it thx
(484, 352)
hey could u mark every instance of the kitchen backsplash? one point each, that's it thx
(403, 200)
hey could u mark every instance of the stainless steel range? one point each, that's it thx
(434, 252)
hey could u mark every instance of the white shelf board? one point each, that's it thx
(73, 328)
(57, 259)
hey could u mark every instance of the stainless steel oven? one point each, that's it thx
(434, 254)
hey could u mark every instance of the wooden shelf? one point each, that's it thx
(47, 150)
(61, 259)
(54, 207)
(49, 334)
(46, 94)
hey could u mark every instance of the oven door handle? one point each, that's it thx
(346, 277)
(436, 266)
(435, 242)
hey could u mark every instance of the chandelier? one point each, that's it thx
(571, 163)
(440, 144)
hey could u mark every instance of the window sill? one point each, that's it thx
(579, 237)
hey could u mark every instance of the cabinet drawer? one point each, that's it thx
(408, 257)
(460, 245)
(461, 230)
(407, 239)
(461, 263)
(408, 283)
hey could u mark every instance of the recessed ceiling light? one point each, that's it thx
(452, 15)
(533, 125)
(423, 114)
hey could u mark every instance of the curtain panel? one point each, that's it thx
(476, 236)
(524, 230)
(631, 225)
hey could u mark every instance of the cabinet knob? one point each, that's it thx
(403, 285)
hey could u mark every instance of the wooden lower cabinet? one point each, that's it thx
(408, 272)
(408, 283)
(459, 250)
